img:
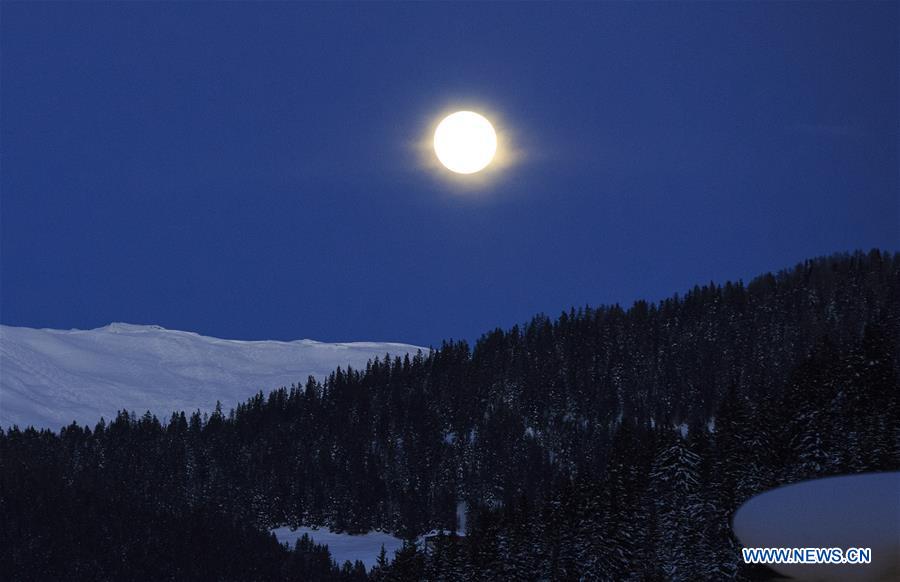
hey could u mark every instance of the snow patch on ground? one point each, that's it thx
(343, 547)
(48, 377)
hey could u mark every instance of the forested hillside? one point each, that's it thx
(608, 443)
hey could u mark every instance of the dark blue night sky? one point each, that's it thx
(250, 170)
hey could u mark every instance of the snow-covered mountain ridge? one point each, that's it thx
(48, 377)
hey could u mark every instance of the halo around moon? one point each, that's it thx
(465, 142)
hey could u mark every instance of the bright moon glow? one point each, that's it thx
(465, 142)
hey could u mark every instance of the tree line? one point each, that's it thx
(608, 444)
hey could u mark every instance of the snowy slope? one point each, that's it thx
(48, 378)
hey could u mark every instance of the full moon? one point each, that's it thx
(465, 142)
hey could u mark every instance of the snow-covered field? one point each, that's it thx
(364, 547)
(343, 546)
(48, 378)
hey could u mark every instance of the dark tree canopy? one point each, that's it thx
(606, 444)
